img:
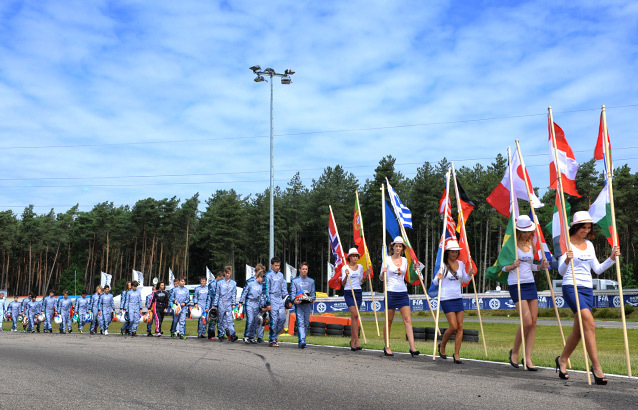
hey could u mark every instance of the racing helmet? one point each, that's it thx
(121, 317)
(196, 312)
(57, 319)
(212, 314)
(287, 302)
(262, 319)
(74, 319)
(176, 308)
(88, 318)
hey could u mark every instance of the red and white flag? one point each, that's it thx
(599, 153)
(566, 162)
(500, 197)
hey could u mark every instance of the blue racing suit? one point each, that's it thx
(212, 289)
(34, 308)
(133, 307)
(15, 308)
(225, 295)
(276, 292)
(106, 309)
(3, 311)
(82, 309)
(200, 298)
(171, 298)
(181, 297)
(96, 300)
(64, 310)
(123, 299)
(303, 310)
(253, 300)
(48, 307)
(25, 310)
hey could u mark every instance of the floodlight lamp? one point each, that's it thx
(255, 68)
(259, 79)
(286, 80)
(289, 72)
(270, 71)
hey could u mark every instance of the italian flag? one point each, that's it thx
(600, 212)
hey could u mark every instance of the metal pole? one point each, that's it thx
(272, 180)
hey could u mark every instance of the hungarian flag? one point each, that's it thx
(603, 141)
(566, 163)
(500, 198)
(557, 227)
(600, 212)
(359, 240)
(337, 252)
(507, 256)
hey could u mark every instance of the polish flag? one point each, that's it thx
(566, 163)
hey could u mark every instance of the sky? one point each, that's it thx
(124, 100)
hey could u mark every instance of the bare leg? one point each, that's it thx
(390, 318)
(530, 314)
(451, 320)
(407, 321)
(459, 333)
(354, 326)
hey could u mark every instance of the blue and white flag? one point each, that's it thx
(401, 211)
(105, 279)
(171, 277)
(139, 277)
(209, 276)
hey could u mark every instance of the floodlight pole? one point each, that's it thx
(285, 79)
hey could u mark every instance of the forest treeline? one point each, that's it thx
(48, 251)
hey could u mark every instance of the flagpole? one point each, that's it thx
(469, 256)
(405, 236)
(614, 234)
(385, 278)
(438, 305)
(365, 245)
(538, 233)
(513, 198)
(363, 333)
(559, 192)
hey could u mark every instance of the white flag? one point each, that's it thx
(250, 272)
(139, 277)
(291, 273)
(105, 279)
(171, 277)
(209, 276)
(331, 270)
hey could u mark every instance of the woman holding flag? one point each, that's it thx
(355, 271)
(398, 292)
(582, 257)
(452, 274)
(529, 296)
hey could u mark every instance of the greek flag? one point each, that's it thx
(401, 211)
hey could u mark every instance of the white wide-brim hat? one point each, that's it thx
(398, 239)
(353, 251)
(452, 246)
(525, 224)
(581, 217)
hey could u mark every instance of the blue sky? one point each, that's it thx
(101, 100)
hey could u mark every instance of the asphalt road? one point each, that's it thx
(82, 371)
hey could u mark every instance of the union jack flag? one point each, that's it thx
(337, 252)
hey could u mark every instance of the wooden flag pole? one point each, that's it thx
(407, 241)
(385, 274)
(363, 333)
(363, 236)
(568, 240)
(469, 255)
(438, 305)
(518, 277)
(614, 234)
(538, 232)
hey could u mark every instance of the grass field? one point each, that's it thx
(499, 339)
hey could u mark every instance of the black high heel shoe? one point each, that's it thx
(601, 381)
(414, 353)
(441, 355)
(562, 375)
(455, 359)
(530, 369)
(359, 348)
(385, 353)
(354, 349)
(514, 365)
